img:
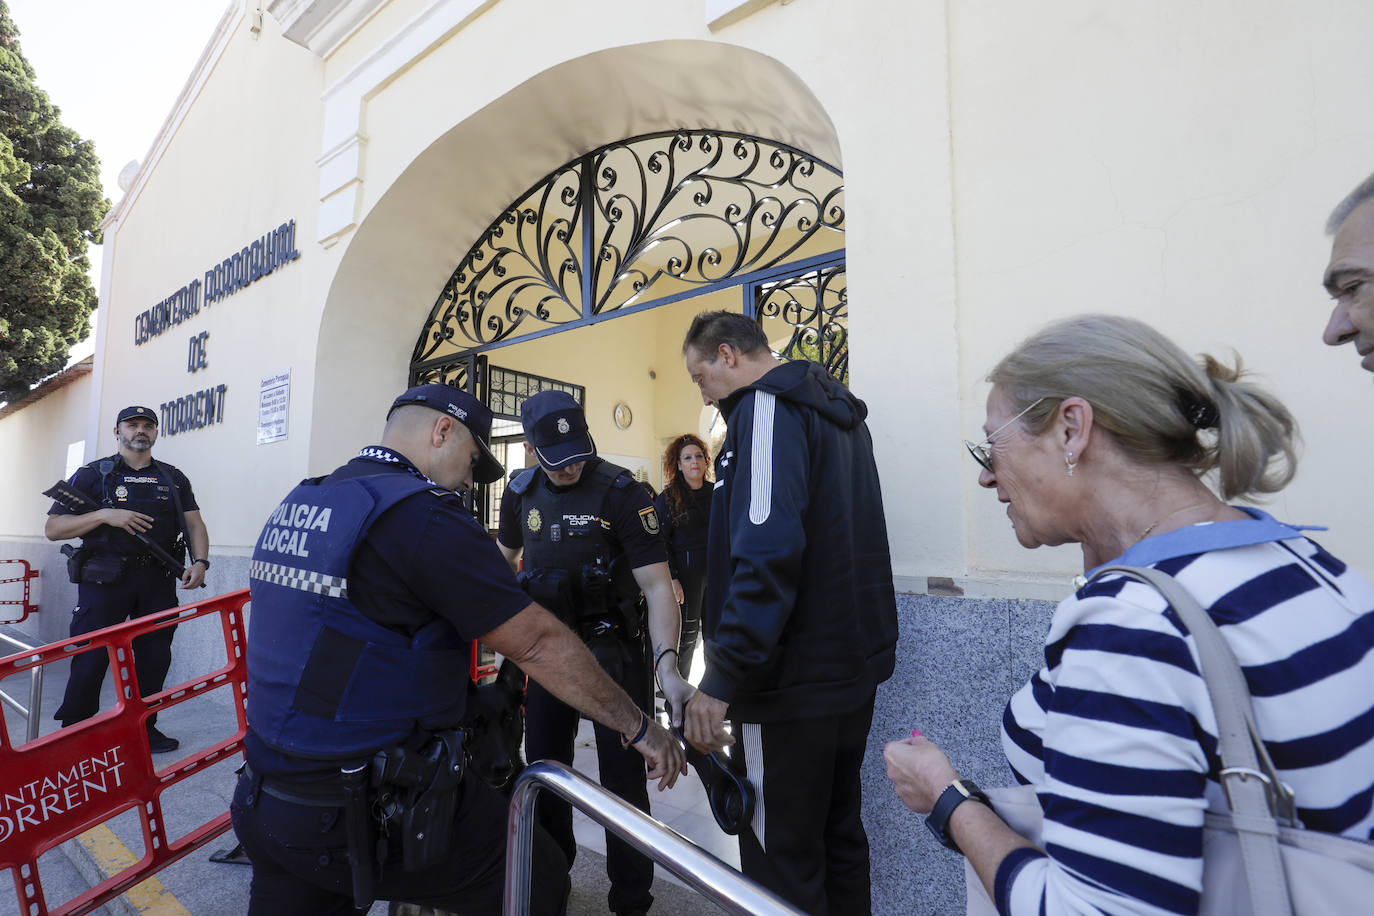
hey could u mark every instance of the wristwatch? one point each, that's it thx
(195, 560)
(955, 794)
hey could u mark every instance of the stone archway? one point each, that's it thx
(641, 223)
(406, 245)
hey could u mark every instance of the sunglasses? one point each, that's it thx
(982, 452)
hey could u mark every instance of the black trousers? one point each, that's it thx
(808, 843)
(141, 590)
(300, 859)
(550, 727)
(693, 579)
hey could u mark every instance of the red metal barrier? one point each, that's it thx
(483, 664)
(25, 606)
(65, 783)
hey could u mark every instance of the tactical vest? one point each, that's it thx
(147, 490)
(566, 539)
(325, 681)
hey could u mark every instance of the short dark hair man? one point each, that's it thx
(590, 541)
(1349, 276)
(800, 619)
(368, 586)
(121, 578)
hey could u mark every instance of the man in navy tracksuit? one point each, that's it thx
(800, 619)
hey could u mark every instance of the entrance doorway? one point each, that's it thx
(589, 280)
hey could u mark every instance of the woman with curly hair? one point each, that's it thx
(684, 507)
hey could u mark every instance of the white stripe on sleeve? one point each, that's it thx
(761, 458)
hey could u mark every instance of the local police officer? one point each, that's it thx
(590, 541)
(368, 586)
(119, 576)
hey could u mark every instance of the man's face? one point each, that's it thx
(456, 460)
(1350, 281)
(563, 477)
(712, 376)
(567, 476)
(136, 435)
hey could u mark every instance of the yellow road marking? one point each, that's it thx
(112, 857)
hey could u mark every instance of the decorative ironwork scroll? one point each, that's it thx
(461, 373)
(815, 307)
(653, 216)
(525, 266)
(700, 207)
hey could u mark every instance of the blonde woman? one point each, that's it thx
(1099, 433)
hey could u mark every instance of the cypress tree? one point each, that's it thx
(51, 205)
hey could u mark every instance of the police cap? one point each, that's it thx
(556, 427)
(133, 413)
(467, 410)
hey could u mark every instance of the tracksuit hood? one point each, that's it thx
(807, 384)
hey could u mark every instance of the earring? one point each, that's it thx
(1069, 463)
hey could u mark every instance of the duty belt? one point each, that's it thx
(321, 794)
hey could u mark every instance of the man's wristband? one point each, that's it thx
(660, 657)
(196, 560)
(639, 735)
(955, 794)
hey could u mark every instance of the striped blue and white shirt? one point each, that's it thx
(1117, 732)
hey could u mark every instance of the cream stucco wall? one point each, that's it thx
(1124, 158)
(238, 165)
(41, 433)
(1002, 166)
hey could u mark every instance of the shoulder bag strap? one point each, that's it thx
(1251, 783)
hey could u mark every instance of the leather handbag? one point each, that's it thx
(1256, 856)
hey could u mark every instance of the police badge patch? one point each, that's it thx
(563, 426)
(649, 519)
(121, 492)
(534, 521)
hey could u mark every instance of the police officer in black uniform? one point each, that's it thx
(590, 541)
(119, 577)
(368, 586)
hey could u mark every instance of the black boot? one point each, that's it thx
(159, 743)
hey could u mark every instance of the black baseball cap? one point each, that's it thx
(467, 410)
(557, 429)
(133, 413)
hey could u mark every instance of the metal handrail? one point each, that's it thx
(33, 713)
(703, 872)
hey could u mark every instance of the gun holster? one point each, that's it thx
(602, 601)
(76, 559)
(417, 794)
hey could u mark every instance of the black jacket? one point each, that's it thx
(686, 535)
(801, 615)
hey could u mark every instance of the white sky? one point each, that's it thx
(114, 68)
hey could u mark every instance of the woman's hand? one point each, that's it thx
(919, 771)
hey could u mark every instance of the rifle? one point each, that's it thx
(80, 503)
